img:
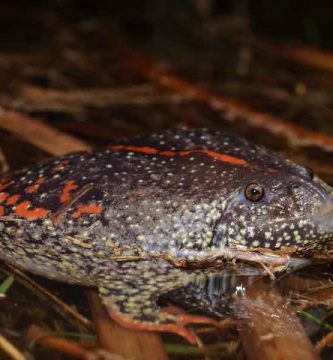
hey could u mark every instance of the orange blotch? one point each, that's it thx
(87, 209)
(167, 153)
(3, 197)
(23, 210)
(66, 193)
(137, 149)
(2, 210)
(218, 156)
(32, 188)
(142, 149)
(185, 153)
(13, 199)
(225, 158)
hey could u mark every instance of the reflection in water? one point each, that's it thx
(214, 294)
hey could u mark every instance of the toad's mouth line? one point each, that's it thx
(321, 218)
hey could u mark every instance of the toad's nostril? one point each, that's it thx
(295, 186)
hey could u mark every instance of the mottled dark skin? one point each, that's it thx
(125, 217)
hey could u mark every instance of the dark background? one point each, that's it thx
(306, 21)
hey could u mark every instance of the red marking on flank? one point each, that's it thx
(35, 187)
(32, 188)
(22, 210)
(213, 154)
(13, 199)
(3, 197)
(87, 209)
(2, 210)
(66, 193)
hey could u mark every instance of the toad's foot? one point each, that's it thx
(139, 311)
(182, 317)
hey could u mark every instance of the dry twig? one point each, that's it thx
(66, 308)
(10, 349)
(140, 95)
(36, 334)
(325, 341)
(35, 132)
(306, 55)
(233, 110)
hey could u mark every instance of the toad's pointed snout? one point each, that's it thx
(324, 218)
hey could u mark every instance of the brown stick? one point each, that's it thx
(233, 110)
(10, 349)
(139, 95)
(65, 346)
(121, 341)
(325, 341)
(35, 132)
(306, 55)
(271, 329)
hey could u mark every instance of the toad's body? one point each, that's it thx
(113, 217)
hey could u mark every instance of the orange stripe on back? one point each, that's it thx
(139, 149)
(213, 154)
(225, 158)
(168, 153)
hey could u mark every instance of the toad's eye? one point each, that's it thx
(310, 172)
(254, 192)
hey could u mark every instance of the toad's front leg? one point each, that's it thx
(220, 258)
(131, 300)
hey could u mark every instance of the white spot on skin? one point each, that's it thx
(268, 235)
